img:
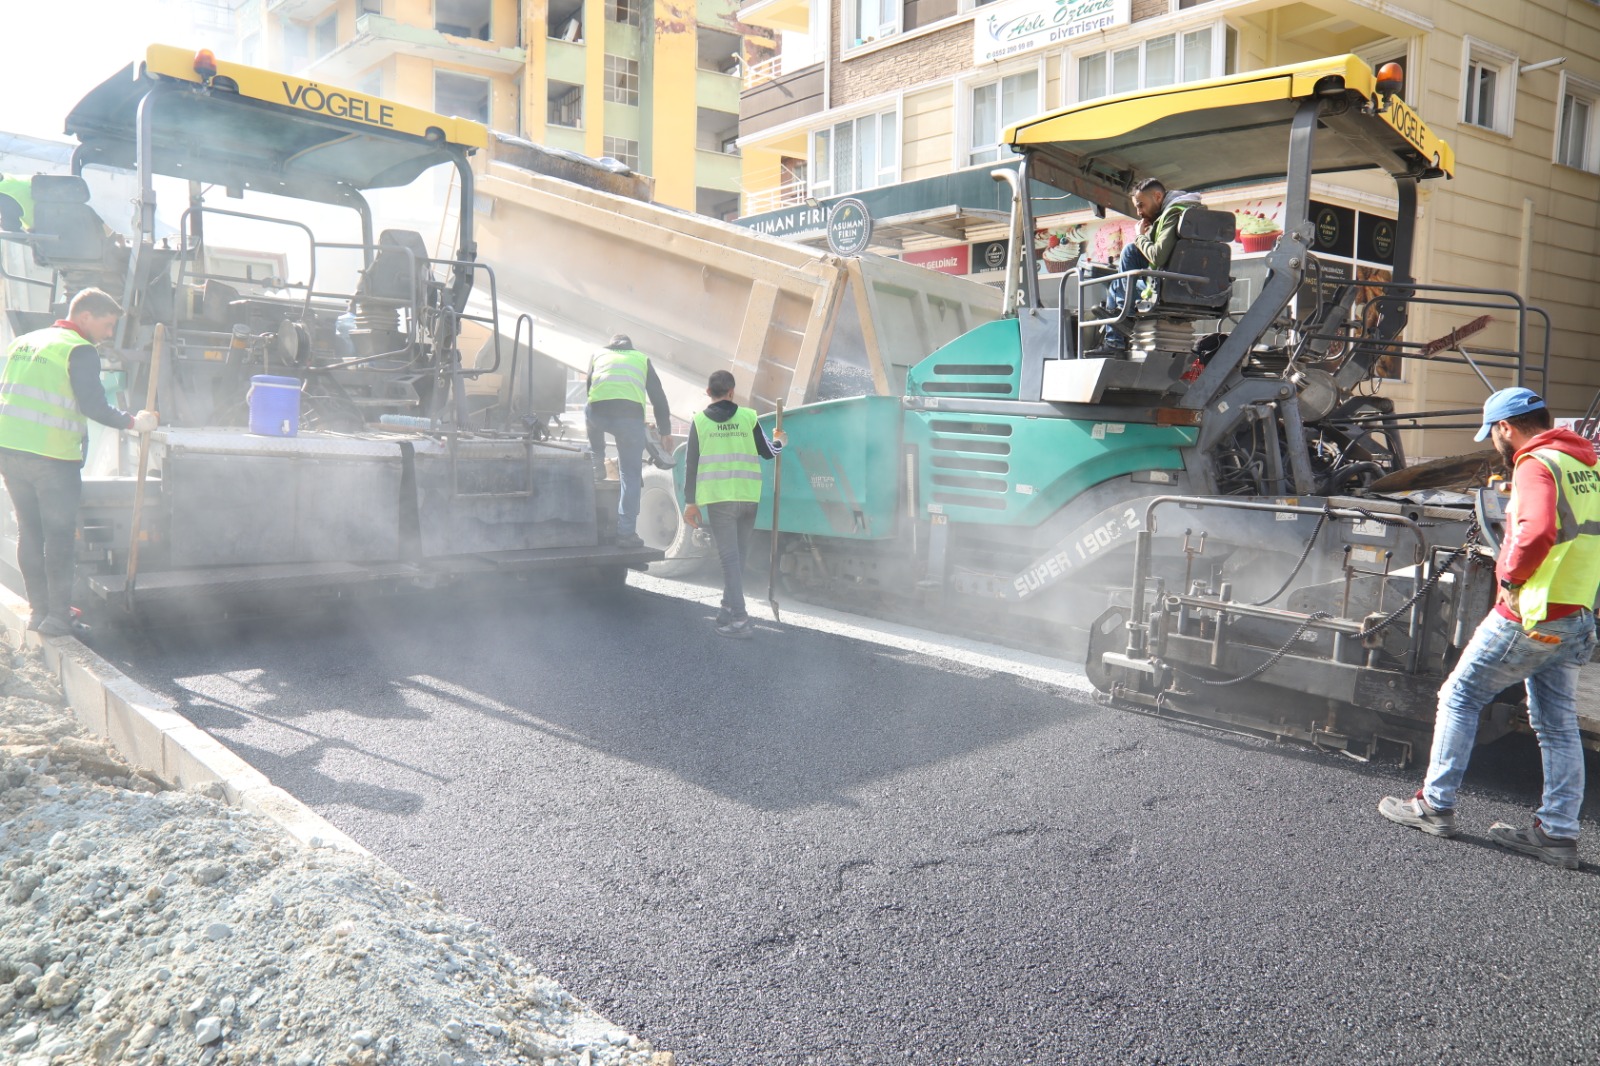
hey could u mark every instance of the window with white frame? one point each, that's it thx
(1488, 86)
(871, 20)
(1577, 144)
(1190, 55)
(995, 106)
(622, 80)
(859, 153)
(621, 149)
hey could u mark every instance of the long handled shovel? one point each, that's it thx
(777, 494)
(144, 462)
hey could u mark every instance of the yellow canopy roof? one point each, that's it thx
(259, 129)
(1229, 131)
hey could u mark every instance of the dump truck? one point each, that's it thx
(794, 324)
(1221, 521)
(378, 467)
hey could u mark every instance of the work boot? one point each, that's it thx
(1417, 813)
(738, 628)
(53, 625)
(1557, 851)
(1113, 345)
(629, 540)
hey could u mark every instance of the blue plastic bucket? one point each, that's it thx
(274, 405)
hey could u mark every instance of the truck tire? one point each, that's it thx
(661, 525)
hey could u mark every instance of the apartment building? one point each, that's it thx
(653, 85)
(903, 104)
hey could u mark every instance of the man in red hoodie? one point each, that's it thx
(1540, 632)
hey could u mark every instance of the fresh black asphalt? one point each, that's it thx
(807, 849)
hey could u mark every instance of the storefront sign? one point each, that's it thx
(849, 227)
(955, 259)
(1375, 238)
(1012, 27)
(989, 255)
(790, 221)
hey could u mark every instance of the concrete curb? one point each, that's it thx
(150, 733)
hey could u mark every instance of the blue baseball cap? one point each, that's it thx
(1507, 403)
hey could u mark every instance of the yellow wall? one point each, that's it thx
(672, 126)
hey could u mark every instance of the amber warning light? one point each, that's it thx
(1390, 78)
(205, 64)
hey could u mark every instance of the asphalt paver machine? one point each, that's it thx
(1210, 518)
(386, 470)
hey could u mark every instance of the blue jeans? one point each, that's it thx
(731, 524)
(1499, 655)
(1117, 289)
(628, 432)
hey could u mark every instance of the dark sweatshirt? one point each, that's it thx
(720, 411)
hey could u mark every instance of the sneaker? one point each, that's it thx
(1416, 813)
(55, 626)
(629, 540)
(35, 618)
(739, 628)
(1557, 851)
(724, 616)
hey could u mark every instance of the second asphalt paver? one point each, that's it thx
(807, 848)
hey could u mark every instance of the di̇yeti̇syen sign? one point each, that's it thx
(1012, 27)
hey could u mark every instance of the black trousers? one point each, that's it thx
(45, 494)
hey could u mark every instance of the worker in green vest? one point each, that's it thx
(620, 378)
(16, 203)
(722, 487)
(1539, 634)
(49, 389)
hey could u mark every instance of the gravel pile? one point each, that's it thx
(147, 925)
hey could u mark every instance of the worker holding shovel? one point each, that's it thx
(722, 476)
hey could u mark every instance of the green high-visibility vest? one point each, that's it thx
(20, 190)
(1571, 572)
(618, 375)
(38, 411)
(730, 466)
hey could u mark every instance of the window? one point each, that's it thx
(860, 153)
(622, 80)
(871, 20)
(296, 45)
(326, 35)
(564, 20)
(623, 151)
(370, 7)
(1166, 60)
(1488, 86)
(996, 106)
(1576, 142)
(462, 18)
(627, 12)
(461, 95)
(565, 105)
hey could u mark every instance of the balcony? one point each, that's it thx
(298, 9)
(720, 92)
(566, 62)
(378, 38)
(793, 16)
(716, 170)
(773, 97)
(789, 194)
